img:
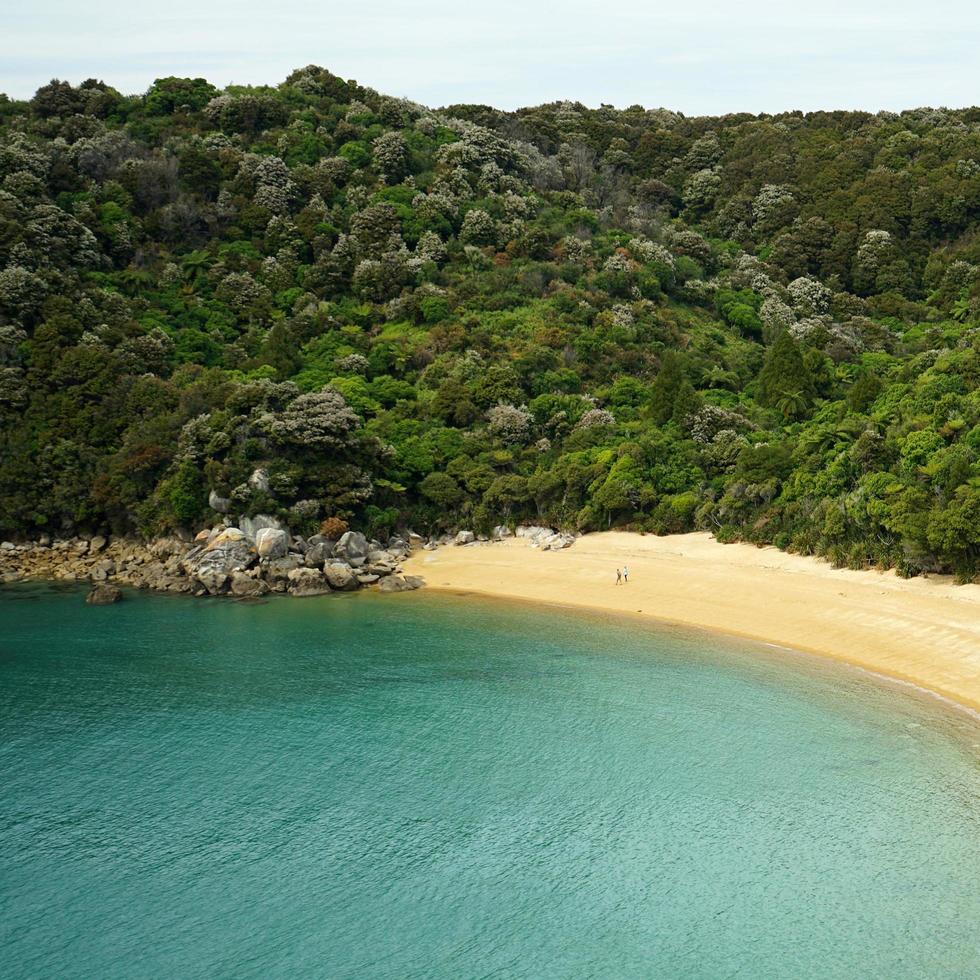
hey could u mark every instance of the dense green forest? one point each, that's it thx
(763, 326)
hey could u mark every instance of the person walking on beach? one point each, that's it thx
(626, 574)
(619, 577)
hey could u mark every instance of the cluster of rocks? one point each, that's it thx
(543, 538)
(261, 556)
(253, 559)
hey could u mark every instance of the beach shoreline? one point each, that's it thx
(923, 631)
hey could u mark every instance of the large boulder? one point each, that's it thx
(464, 537)
(218, 503)
(397, 583)
(398, 546)
(352, 544)
(252, 525)
(500, 532)
(225, 538)
(103, 594)
(270, 542)
(317, 554)
(555, 542)
(534, 531)
(245, 586)
(277, 571)
(340, 576)
(213, 565)
(307, 582)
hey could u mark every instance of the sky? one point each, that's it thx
(697, 57)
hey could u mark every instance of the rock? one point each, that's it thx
(500, 532)
(202, 537)
(215, 531)
(394, 583)
(96, 544)
(44, 540)
(252, 525)
(464, 537)
(213, 580)
(103, 594)
(245, 586)
(271, 542)
(259, 480)
(299, 545)
(415, 541)
(414, 581)
(534, 531)
(80, 547)
(340, 576)
(352, 544)
(555, 542)
(230, 535)
(367, 579)
(307, 582)
(318, 553)
(276, 571)
(7, 546)
(213, 565)
(220, 504)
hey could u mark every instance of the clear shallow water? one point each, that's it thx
(426, 786)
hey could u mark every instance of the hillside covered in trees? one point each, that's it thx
(767, 327)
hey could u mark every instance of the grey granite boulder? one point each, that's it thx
(353, 544)
(252, 525)
(276, 571)
(340, 576)
(245, 586)
(270, 542)
(398, 583)
(307, 582)
(318, 553)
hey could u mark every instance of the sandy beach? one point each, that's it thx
(925, 630)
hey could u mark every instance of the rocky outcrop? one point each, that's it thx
(103, 594)
(220, 561)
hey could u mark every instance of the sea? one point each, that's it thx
(432, 785)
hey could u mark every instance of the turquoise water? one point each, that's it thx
(427, 786)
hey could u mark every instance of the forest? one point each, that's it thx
(319, 302)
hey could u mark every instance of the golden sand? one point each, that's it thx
(925, 630)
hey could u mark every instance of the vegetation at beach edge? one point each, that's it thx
(322, 303)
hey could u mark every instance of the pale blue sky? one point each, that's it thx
(691, 55)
